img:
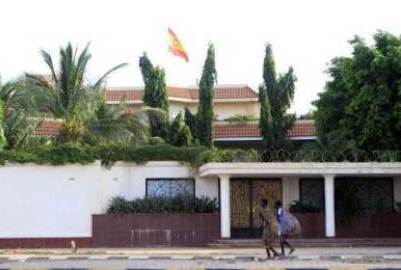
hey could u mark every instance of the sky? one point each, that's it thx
(305, 34)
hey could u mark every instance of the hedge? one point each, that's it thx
(108, 154)
(178, 204)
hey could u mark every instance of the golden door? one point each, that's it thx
(246, 196)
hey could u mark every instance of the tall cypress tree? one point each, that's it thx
(155, 96)
(179, 133)
(206, 94)
(275, 96)
(190, 121)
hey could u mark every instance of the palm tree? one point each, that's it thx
(119, 124)
(17, 114)
(66, 95)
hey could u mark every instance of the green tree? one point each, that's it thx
(155, 96)
(360, 108)
(179, 133)
(19, 113)
(206, 93)
(190, 121)
(66, 95)
(113, 124)
(276, 95)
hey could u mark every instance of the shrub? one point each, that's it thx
(60, 154)
(69, 153)
(242, 118)
(19, 157)
(226, 155)
(178, 204)
(119, 205)
(161, 152)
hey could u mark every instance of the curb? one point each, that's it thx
(243, 258)
(202, 268)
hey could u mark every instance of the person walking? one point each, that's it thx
(284, 228)
(270, 228)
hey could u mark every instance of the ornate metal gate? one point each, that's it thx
(245, 196)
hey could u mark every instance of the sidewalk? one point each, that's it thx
(201, 259)
(393, 253)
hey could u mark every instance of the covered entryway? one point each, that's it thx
(245, 197)
(290, 173)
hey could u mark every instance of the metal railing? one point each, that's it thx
(329, 156)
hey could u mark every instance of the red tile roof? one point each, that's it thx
(48, 128)
(117, 95)
(302, 128)
(190, 93)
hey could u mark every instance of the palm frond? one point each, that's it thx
(100, 81)
(48, 60)
(38, 80)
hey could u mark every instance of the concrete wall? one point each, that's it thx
(226, 110)
(58, 201)
(221, 110)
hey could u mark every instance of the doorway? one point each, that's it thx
(245, 196)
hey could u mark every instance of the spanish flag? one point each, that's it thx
(175, 46)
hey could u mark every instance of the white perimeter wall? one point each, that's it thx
(58, 201)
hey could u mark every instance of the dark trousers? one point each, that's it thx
(283, 243)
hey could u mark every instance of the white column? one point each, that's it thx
(225, 223)
(290, 187)
(329, 205)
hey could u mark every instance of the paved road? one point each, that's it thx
(200, 258)
(198, 264)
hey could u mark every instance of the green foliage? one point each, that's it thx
(275, 96)
(111, 124)
(155, 85)
(59, 154)
(179, 134)
(179, 204)
(206, 93)
(160, 152)
(108, 154)
(19, 157)
(360, 108)
(3, 141)
(300, 207)
(225, 155)
(69, 153)
(155, 96)
(241, 118)
(66, 96)
(18, 129)
(191, 122)
(19, 113)
(73, 130)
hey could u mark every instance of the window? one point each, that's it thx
(170, 187)
(312, 192)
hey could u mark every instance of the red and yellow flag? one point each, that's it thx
(175, 46)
